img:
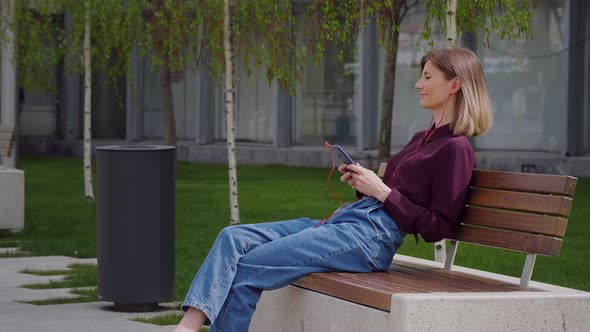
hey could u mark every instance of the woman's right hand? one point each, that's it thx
(347, 176)
(343, 168)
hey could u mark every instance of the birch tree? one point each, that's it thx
(451, 39)
(87, 105)
(440, 252)
(42, 45)
(229, 116)
(261, 32)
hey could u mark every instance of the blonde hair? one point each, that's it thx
(473, 115)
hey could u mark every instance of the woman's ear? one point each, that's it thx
(455, 86)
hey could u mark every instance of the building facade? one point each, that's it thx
(539, 90)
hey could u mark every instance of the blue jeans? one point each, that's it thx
(247, 259)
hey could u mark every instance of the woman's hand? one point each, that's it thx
(347, 175)
(364, 180)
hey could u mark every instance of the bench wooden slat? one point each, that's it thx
(381, 280)
(536, 183)
(457, 279)
(528, 182)
(376, 289)
(428, 282)
(334, 285)
(526, 222)
(384, 279)
(531, 243)
(548, 204)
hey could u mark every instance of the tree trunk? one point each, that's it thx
(87, 106)
(440, 251)
(451, 23)
(229, 118)
(167, 103)
(388, 93)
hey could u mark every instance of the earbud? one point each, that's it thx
(454, 85)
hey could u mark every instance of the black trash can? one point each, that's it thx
(135, 205)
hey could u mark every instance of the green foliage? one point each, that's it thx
(339, 21)
(44, 40)
(262, 34)
(171, 34)
(35, 43)
(333, 21)
(508, 19)
(182, 33)
(177, 34)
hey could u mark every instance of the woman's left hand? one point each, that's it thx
(367, 182)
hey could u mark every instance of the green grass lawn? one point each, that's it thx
(59, 221)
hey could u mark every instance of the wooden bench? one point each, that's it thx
(7, 141)
(516, 211)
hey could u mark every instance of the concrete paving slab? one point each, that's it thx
(9, 250)
(93, 316)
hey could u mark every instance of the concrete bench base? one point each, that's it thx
(12, 198)
(555, 309)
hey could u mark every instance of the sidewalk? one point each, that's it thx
(22, 317)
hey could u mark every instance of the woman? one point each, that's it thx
(422, 192)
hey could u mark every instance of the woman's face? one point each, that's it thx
(434, 89)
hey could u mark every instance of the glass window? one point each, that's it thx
(254, 107)
(519, 76)
(324, 101)
(183, 103)
(152, 101)
(525, 81)
(408, 116)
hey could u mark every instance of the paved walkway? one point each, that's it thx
(22, 317)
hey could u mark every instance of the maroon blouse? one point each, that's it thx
(430, 185)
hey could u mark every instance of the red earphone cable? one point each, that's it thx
(332, 171)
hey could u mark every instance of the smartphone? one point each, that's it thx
(343, 156)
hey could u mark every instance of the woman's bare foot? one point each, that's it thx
(192, 321)
(183, 329)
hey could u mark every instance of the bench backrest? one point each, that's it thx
(7, 140)
(516, 211)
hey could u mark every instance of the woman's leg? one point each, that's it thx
(192, 321)
(342, 246)
(211, 285)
